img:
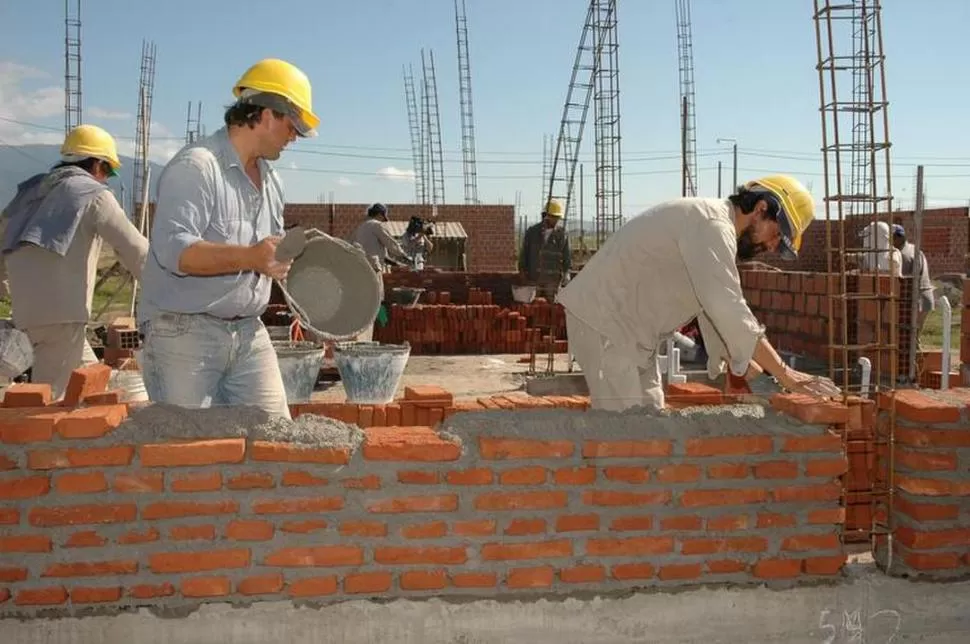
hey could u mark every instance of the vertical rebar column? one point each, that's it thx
(469, 168)
(415, 130)
(435, 158)
(685, 58)
(146, 85)
(72, 65)
(606, 117)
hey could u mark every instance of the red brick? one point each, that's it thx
(298, 478)
(926, 511)
(776, 470)
(151, 591)
(433, 530)
(680, 571)
(135, 537)
(22, 394)
(201, 482)
(81, 515)
(78, 483)
(24, 488)
(192, 532)
(85, 539)
(729, 446)
(772, 520)
(303, 527)
(29, 425)
(293, 453)
(84, 381)
(7, 463)
(363, 529)
(727, 471)
(923, 437)
(926, 540)
(438, 503)
(251, 481)
(777, 568)
(827, 516)
(113, 397)
(474, 580)
(408, 444)
(425, 393)
(627, 474)
(533, 550)
(172, 562)
(306, 505)
(824, 565)
(678, 473)
(695, 393)
(828, 468)
(703, 498)
(367, 582)
(514, 448)
(249, 530)
(179, 509)
(808, 493)
(926, 461)
(138, 482)
(91, 422)
(11, 575)
(587, 574)
(804, 542)
(728, 523)
(919, 407)
(726, 566)
(631, 547)
(49, 459)
(610, 498)
(205, 587)
(825, 443)
(534, 475)
(575, 475)
(623, 572)
(415, 477)
(730, 544)
(540, 577)
(394, 555)
(424, 580)
(932, 560)
(577, 522)
(369, 482)
(315, 556)
(520, 501)
(260, 585)
(811, 410)
(92, 569)
(49, 596)
(627, 449)
(210, 452)
(685, 522)
(481, 528)
(476, 476)
(312, 586)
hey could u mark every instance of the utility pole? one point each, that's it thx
(719, 179)
(735, 155)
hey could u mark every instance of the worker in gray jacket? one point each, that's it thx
(919, 271)
(52, 235)
(376, 242)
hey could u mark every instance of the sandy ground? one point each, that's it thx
(463, 376)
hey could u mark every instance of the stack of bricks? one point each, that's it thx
(930, 483)
(494, 507)
(793, 307)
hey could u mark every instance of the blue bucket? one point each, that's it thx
(300, 367)
(370, 371)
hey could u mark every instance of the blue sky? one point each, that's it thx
(754, 69)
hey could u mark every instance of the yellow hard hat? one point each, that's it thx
(553, 208)
(279, 77)
(90, 141)
(797, 208)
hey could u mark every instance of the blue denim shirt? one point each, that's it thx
(204, 194)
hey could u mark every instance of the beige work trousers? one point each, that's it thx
(617, 379)
(59, 349)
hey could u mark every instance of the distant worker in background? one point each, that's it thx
(918, 267)
(674, 262)
(218, 221)
(880, 253)
(545, 258)
(416, 241)
(376, 242)
(52, 238)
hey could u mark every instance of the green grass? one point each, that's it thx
(932, 335)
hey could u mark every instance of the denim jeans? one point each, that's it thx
(196, 360)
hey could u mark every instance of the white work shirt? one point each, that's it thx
(671, 263)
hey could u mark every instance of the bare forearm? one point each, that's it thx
(207, 258)
(768, 359)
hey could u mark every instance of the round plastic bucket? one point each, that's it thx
(371, 371)
(300, 367)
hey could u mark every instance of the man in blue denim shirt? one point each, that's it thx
(211, 261)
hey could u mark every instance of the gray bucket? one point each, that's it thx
(300, 367)
(370, 371)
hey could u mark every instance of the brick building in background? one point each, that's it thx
(490, 229)
(945, 240)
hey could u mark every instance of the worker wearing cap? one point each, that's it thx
(545, 257)
(217, 223)
(376, 242)
(674, 262)
(53, 230)
(912, 266)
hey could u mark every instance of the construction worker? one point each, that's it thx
(217, 223)
(375, 241)
(53, 233)
(920, 271)
(545, 258)
(674, 262)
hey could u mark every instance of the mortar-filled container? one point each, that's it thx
(300, 368)
(371, 371)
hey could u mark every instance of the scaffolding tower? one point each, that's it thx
(72, 65)
(863, 307)
(435, 156)
(548, 152)
(685, 49)
(415, 128)
(469, 168)
(146, 89)
(193, 124)
(595, 67)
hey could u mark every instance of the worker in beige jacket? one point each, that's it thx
(670, 264)
(52, 233)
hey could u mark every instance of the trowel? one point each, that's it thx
(292, 245)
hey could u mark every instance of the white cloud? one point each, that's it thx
(395, 174)
(292, 165)
(107, 115)
(345, 182)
